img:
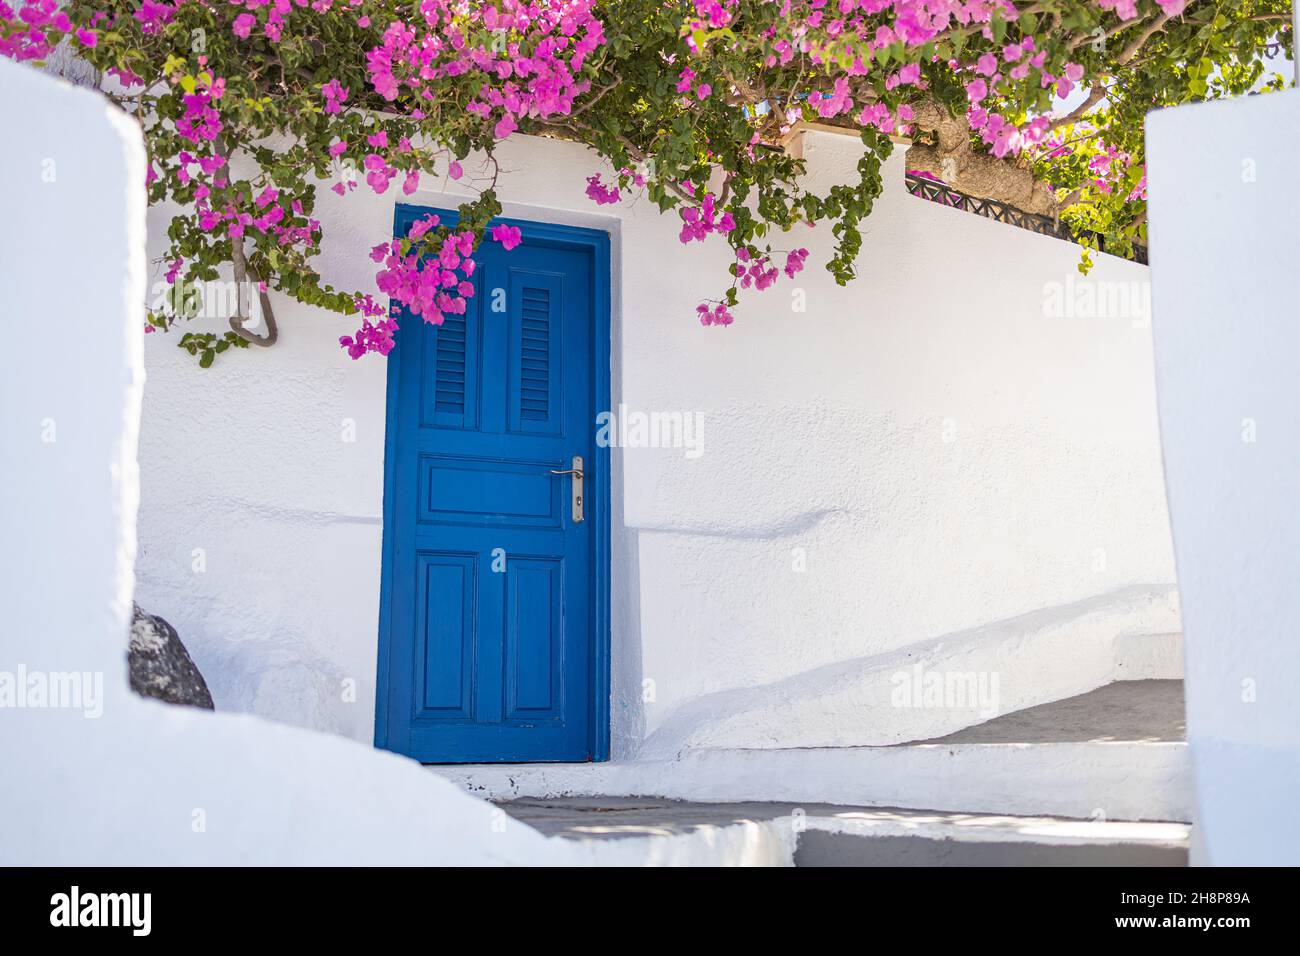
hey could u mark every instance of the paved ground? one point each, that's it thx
(826, 835)
(1136, 710)
(871, 836)
(606, 818)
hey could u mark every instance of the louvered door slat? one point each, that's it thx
(535, 352)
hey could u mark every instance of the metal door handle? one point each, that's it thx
(576, 472)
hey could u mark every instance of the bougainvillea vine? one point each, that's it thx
(250, 107)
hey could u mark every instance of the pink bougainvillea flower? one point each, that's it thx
(600, 193)
(794, 262)
(1124, 9)
(243, 25)
(834, 103)
(508, 236)
(421, 226)
(699, 221)
(505, 126)
(719, 315)
(336, 94)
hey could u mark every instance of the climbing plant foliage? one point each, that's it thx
(250, 108)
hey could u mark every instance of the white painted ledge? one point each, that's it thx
(1093, 780)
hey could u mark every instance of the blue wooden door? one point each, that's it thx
(494, 626)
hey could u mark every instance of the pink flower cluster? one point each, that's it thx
(686, 82)
(699, 221)
(833, 104)
(277, 14)
(914, 23)
(1139, 191)
(718, 315)
(713, 14)
(428, 286)
(268, 215)
(795, 261)
(1108, 166)
(39, 18)
(376, 331)
(432, 286)
(336, 94)
(599, 193)
(154, 16)
(753, 269)
(508, 236)
(877, 114)
(528, 56)
(1127, 9)
(201, 122)
(817, 30)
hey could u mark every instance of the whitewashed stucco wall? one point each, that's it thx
(1226, 341)
(944, 452)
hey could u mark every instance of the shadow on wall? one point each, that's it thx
(277, 671)
(282, 679)
(1002, 667)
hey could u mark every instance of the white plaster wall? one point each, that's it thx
(945, 454)
(1224, 215)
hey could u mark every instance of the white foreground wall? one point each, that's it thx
(938, 447)
(1224, 221)
(107, 777)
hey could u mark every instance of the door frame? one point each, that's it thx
(597, 243)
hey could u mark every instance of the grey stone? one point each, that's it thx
(159, 664)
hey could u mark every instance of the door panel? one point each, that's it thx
(534, 638)
(494, 630)
(446, 618)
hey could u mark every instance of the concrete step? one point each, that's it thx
(1116, 753)
(632, 831)
(1129, 711)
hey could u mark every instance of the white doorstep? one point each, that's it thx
(1089, 780)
